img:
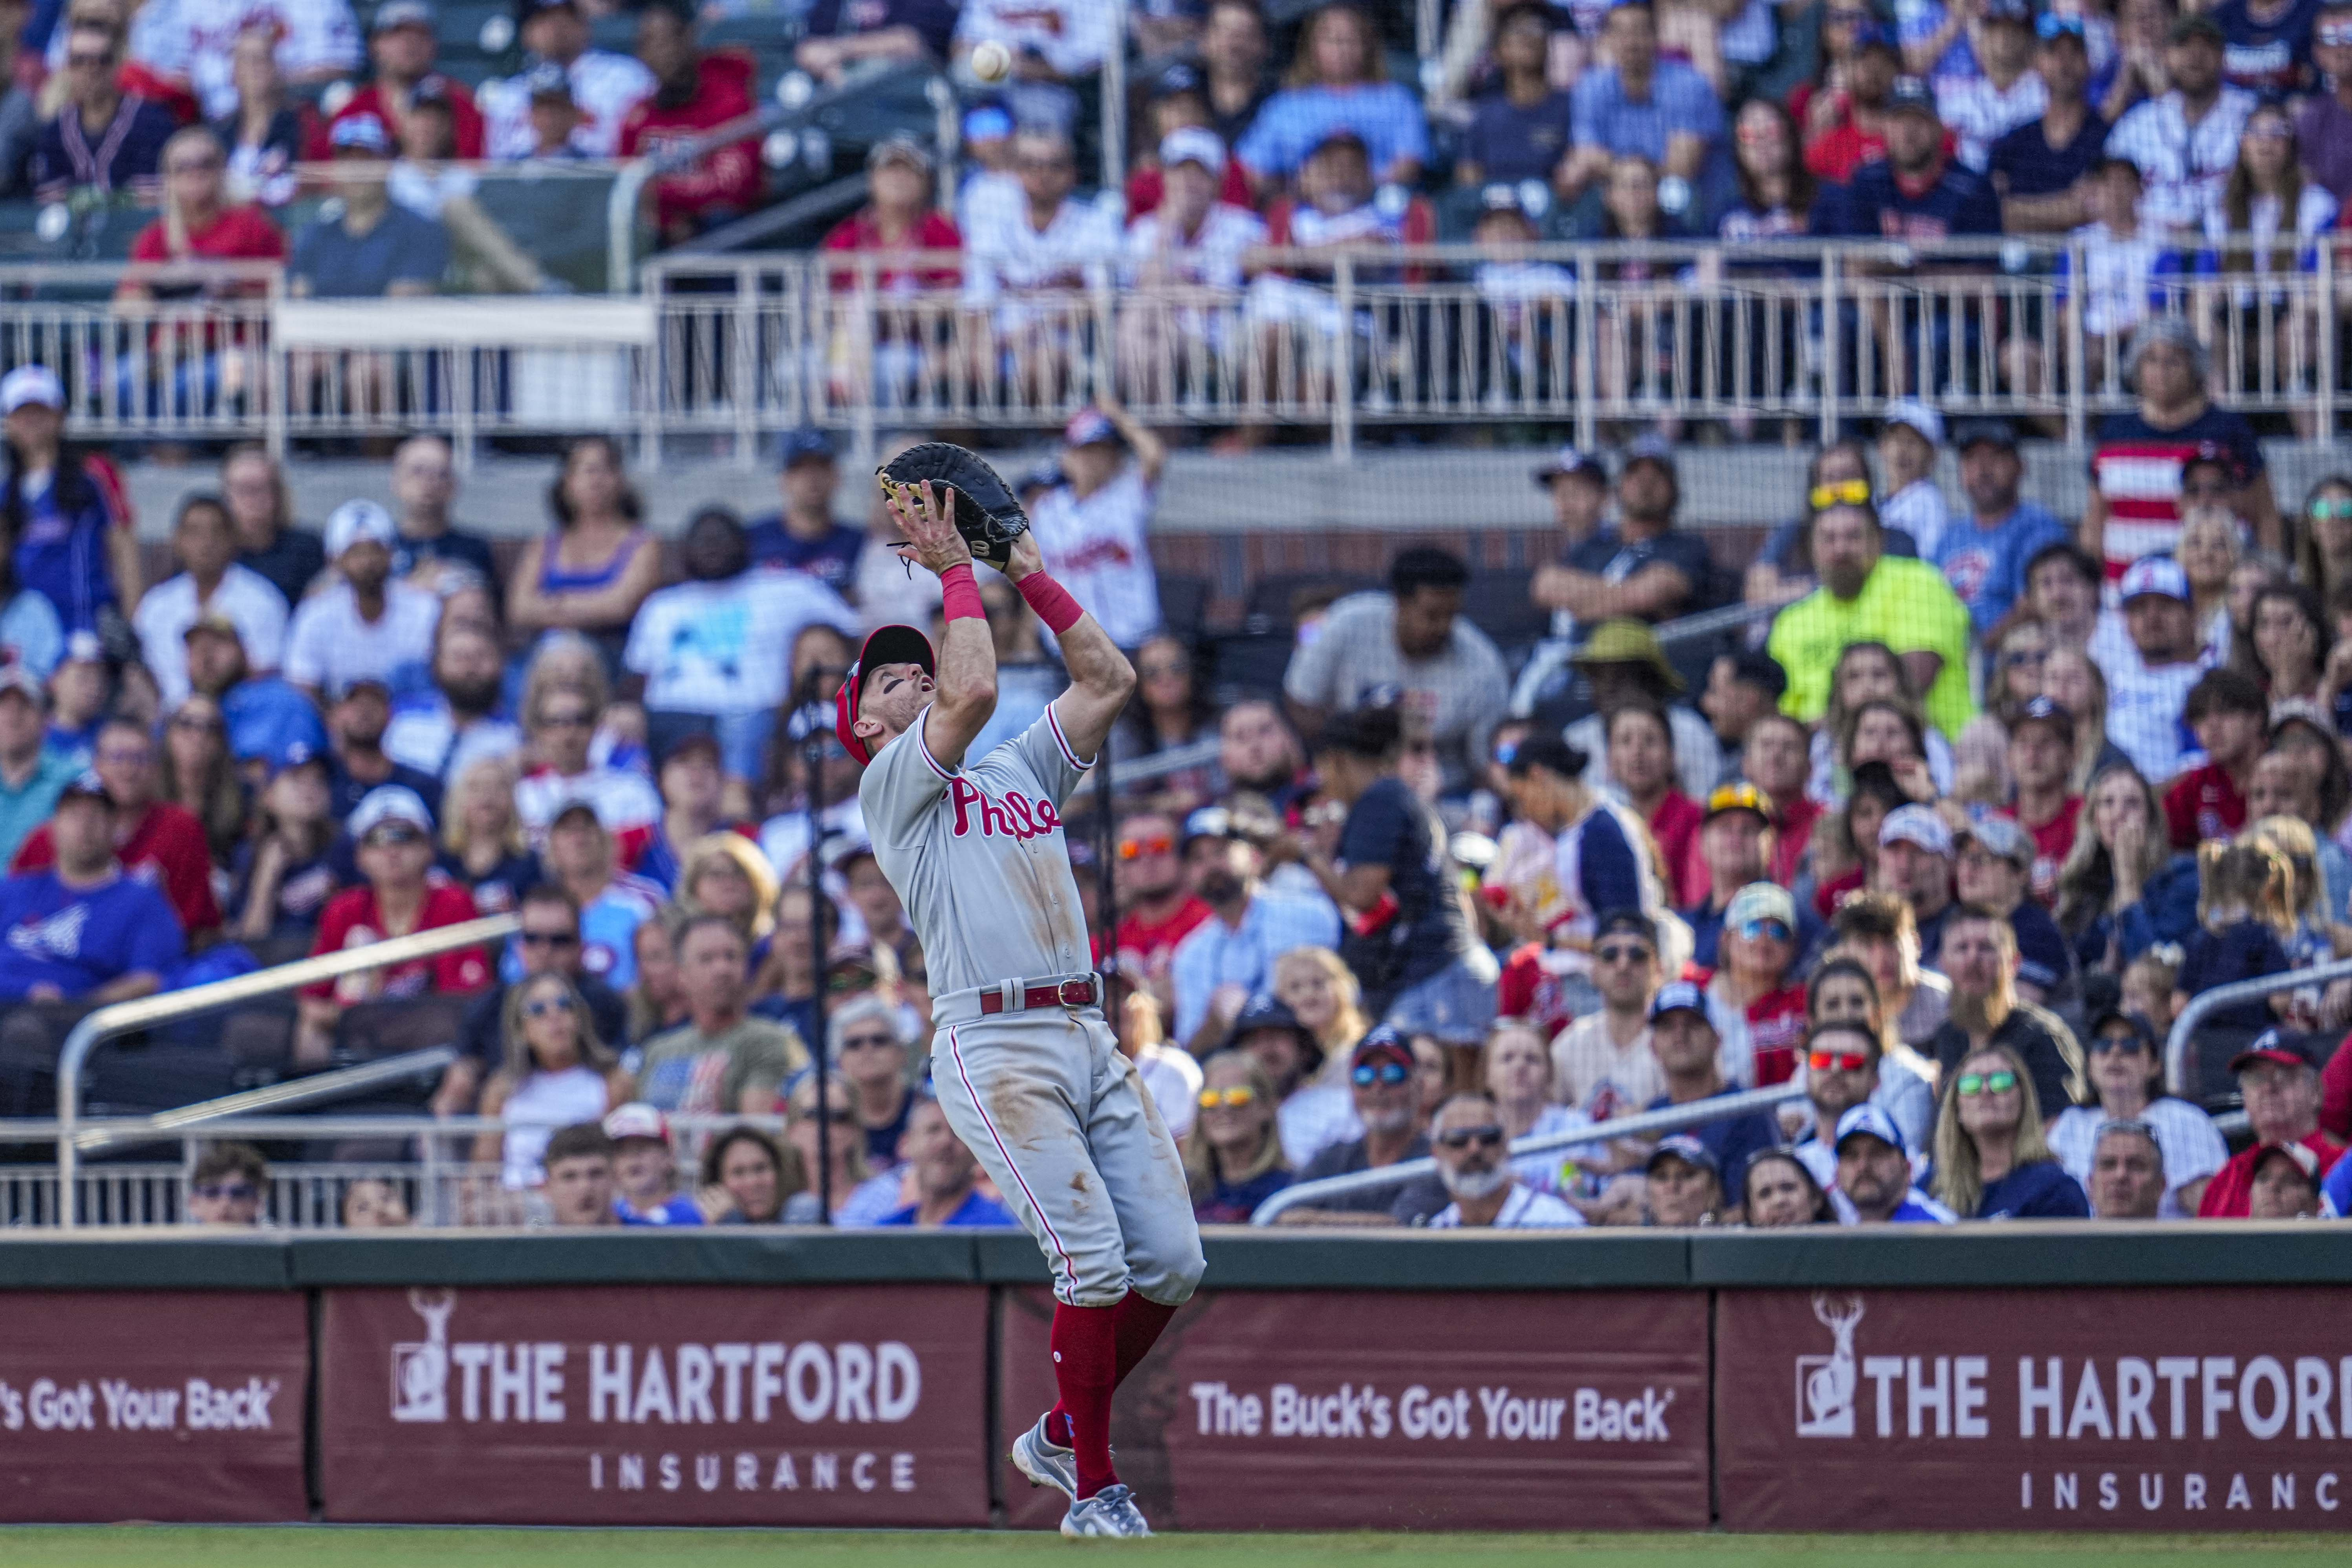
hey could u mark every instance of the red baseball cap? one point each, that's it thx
(884, 645)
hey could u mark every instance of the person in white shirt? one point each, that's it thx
(1183, 265)
(1907, 443)
(2186, 143)
(1095, 527)
(560, 722)
(1473, 1155)
(1049, 245)
(210, 583)
(1050, 40)
(2147, 689)
(367, 624)
(317, 42)
(719, 645)
(605, 86)
(1980, 110)
(460, 721)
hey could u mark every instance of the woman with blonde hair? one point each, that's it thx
(1322, 994)
(859, 1195)
(1338, 78)
(1232, 1156)
(482, 846)
(2121, 890)
(1515, 1068)
(2072, 680)
(1992, 1161)
(724, 874)
(557, 1073)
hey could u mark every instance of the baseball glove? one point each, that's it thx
(987, 513)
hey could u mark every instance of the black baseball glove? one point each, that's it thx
(987, 513)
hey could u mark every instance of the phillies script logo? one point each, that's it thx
(1017, 816)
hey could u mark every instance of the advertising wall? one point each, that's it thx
(859, 1405)
(182, 1407)
(1397, 1410)
(2170, 1409)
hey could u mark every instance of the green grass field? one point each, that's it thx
(337, 1547)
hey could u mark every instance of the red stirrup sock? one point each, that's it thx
(960, 595)
(1051, 601)
(1085, 1360)
(1137, 1323)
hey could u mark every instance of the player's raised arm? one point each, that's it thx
(966, 693)
(1100, 676)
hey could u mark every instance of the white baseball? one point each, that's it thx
(992, 61)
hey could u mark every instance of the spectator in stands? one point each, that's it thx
(805, 536)
(424, 486)
(1845, 1064)
(1874, 1169)
(748, 1177)
(158, 842)
(1775, 189)
(1741, 689)
(1235, 76)
(2324, 128)
(461, 721)
(1842, 138)
(1690, 1053)
(1623, 665)
(2286, 1184)
(1321, 993)
(1682, 1183)
(1524, 129)
(1880, 930)
(1259, 752)
(1918, 193)
(554, 124)
(859, 1196)
(265, 714)
(1157, 908)
(1983, 555)
(549, 944)
(2290, 645)
(261, 507)
(1310, 1116)
(198, 774)
(694, 91)
(78, 928)
(645, 1169)
(2122, 890)
(374, 248)
(1866, 594)
(945, 1178)
(1992, 870)
(2134, 508)
(2004, 93)
(482, 844)
(2148, 685)
(264, 131)
(1602, 1064)
(1778, 1191)
(393, 832)
(283, 875)
(1094, 526)
(402, 46)
(1644, 567)
(592, 574)
(210, 582)
(1338, 81)
(1234, 1155)
(844, 36)
(865, 1048)
(64, 508)
(1774, 761)
(1171, 709)
(2278, 1079)
(2244, 914)
(613, 903)
(1992, 1161)
(199, 225)
(605, 86)
(1380, 1071)
(1473, 1152)
(102, 138)
(579, 1186)
(373, 1204)
(720, 1060)
(1601, 854)
(2038, 168)
(2127, 1072)
(1641, 770)
(2127, 1179)
(1733, 848)
(2186, 141)
(1411, 647)
(715, 650)
(1645, 107)
(1578, 485)
(358, 711)
(1979, 958)
(228, 1186)
(368, 626)
(1758, 1012)
(33, 774)
(2042, 762)
(20, 119)
(2231, 718)
(556, 1069)
(693, 784)
(726, 874)
(1228, 960)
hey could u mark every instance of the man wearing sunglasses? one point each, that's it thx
(227, 1186)
(1387, 1102)
(1690, 1054)
(1734, 844)
(1473, 1155)
(1602, 1064)
(1840, 1072)
(549, 944)
(1157, 908)
(80, 929)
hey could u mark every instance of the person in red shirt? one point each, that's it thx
(2280, 1083)
(1180, 98)
(1158, 910)
(1775, 759)
(2231, 721)
(404, 895)
(157, 842)
(1758, 949)
(1642, 765)
(402, 46)
(2041, 761)
(900, 222)
(198, 225)
(696, 92)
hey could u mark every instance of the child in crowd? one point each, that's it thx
(2245, 913)
(2148, 985)
(1908, 443)
(645, 1170)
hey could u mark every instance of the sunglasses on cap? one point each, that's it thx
(1845, 492)
(1763, 930)
(546, 1004)
(1370, 1073)
(1137, 848)
(1972, 1084)
(1239, 1094)
(1490, 1136)
(1840, 1061)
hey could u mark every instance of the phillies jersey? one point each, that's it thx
(2137, 469)
(978, 857)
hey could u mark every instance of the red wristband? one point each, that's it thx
(960, 595)
(1051, 601)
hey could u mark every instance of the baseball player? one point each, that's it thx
(1025, 1066)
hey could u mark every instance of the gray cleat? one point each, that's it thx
(1045, 1462)
(1110, 1511)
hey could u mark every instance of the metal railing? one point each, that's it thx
(2205, 1004)
(1674, 1119)
(127, 1018)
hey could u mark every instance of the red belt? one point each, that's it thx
(1047, 994)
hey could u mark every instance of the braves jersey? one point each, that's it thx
(1098, 549)
(978, 857)
(604, 88)
(2183, 168)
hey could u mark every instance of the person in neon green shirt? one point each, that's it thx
(1867, 596)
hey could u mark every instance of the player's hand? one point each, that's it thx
(1024, 556)
(926, 511)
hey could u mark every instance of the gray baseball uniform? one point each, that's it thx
(1042, 1097)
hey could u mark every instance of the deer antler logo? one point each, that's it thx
(1825, 1384)
(420, 1371)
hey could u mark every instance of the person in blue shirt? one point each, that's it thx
(1523, 130)
(645, 1169)
(1873, 1173)
(82, 931)
(1916, 193)
(373, 248)
(1984, 558)
(1643, 107)
(805, 536)
(1992, 1161)
(60, 511)
(1689, 1051)
(33, 773)
(1336, 84)
(945, 1177)
(2036, 167)
(265, 714)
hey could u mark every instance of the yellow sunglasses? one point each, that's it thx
(1239, 1094)
(1845, 492)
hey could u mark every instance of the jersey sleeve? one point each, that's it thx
(1043, 757)
(900, 787)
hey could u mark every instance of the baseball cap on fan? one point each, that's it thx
(1193, 144)
(885, 644)
(358, 521)
(2157, 574)
(31, 384)
(636, 1119)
